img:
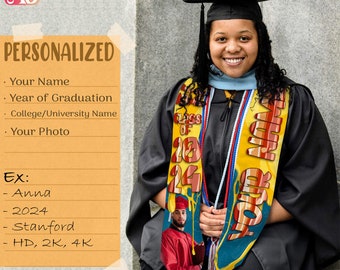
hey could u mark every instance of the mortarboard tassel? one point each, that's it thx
(202, 51)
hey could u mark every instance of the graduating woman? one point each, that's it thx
(249, 150)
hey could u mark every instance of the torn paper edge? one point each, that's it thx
(121, 39)
(25, 32)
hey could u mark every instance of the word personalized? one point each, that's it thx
(44, 51)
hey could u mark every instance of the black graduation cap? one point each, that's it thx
(213, 1)
(232, 9)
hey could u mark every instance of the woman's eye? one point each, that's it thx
(221, 39)
(244, 39)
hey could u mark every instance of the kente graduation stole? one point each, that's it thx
(250, 171)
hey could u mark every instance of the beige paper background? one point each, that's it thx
(60, 199)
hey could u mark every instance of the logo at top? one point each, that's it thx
(21, 2)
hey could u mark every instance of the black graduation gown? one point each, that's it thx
(306, 183)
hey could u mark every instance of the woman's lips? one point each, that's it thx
(233, 61)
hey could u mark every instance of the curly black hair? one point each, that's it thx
(269, 76)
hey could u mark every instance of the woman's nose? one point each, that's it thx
(232, 46)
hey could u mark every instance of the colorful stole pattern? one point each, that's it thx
(185, 172)
(250, 172)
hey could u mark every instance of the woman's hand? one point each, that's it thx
(278, 213)
(160, 198)
(212, 220)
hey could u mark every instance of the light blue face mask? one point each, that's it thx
(219, 80)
